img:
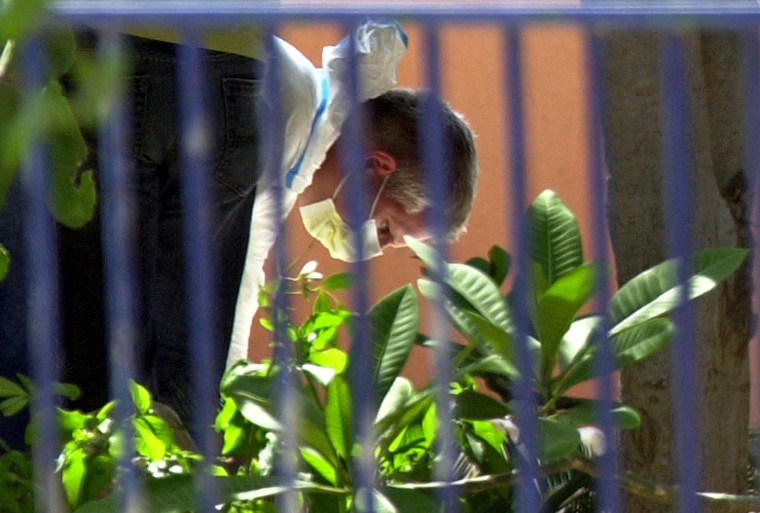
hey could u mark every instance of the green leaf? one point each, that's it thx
(248, 385)
(557, 309)
(141, 397)
(68, 421)
(332, 358)
(149, 439)
(394, 323)
(13, 405)
(67, 390)
(73, 475)
(576, 340)
(338, 417)
(73, 194)
(637, 344)
(395, 399)
(585, 413)
(500, 262)
(338, 281)
(491, 364)
(318, 462)
(476, 406)
(556, 439)
(631, 346)
(555, 239)
(5, 257)
(499, 340)
(10, 389)
(476, 287)
(481, 292)
(656, 292)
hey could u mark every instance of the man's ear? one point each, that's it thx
(382, 162)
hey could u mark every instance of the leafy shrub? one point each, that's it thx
(255, 429)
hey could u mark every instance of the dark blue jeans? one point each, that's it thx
(233, 86)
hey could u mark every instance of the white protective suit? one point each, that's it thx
(315, 105)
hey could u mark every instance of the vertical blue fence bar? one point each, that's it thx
(43, 314)
(434, 154)
(272, 128)
(606, 485)
(353, 153)
(679, 209)
(516, 183)
(118, 214)
(200, 272)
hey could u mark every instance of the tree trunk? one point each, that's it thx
(633, 138)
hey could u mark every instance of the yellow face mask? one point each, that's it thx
(323, 222)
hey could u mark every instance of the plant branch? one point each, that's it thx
(654, 492)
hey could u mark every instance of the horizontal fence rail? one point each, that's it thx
(331, 431)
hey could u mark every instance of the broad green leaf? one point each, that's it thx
(655, 292)
(476, 287)
(73, 475)
(395, 399)
(394, 323)
(558, 307)
(575, 340)
(251, 394)
(496, 267)
(476, 406)
(488, 432)
(481, 292)
(456, 307)
(637, 344)
(491, 364)
(323, 375)
(556, 439)
(5, 257)
(338, 417)
(390, 425)
(338, 281)
(318, 462)
(585, 414)
(141, 397)
(73, 195)
(555, 239)
(632, 345)
(332, 358)
(499, 340)
(148, 442)
(500, 262)
(68, 420)
(479, 263)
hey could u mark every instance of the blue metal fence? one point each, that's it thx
(190, 17)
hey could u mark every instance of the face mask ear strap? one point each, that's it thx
(377, 198)
(340, 185)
